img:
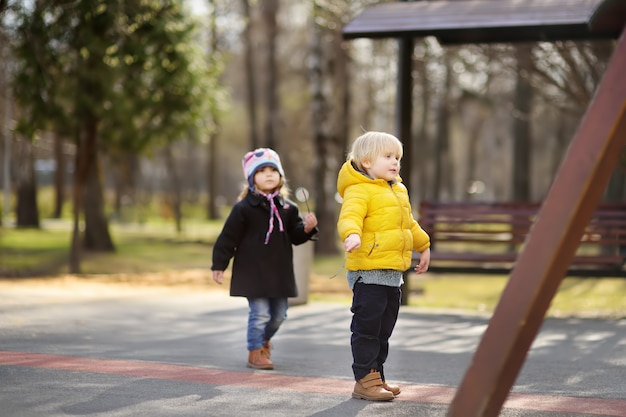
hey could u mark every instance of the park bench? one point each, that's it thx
(469, 237)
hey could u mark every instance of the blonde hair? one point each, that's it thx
(282, 185)
(371, 145)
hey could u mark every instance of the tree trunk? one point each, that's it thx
(250, 76)
(479, 112)
(213, 212)
(175, 198)
(27, 214)
(6, 146)
(270, 11)
(59, 177)
(522, 143)
(97, 236)
(443, 184)
(323, 171)
(80, 174)
(424, 151)
(616, 189)
(124, 177)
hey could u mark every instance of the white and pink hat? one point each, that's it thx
(260, 158)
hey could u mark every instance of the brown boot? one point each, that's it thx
(267, 347)
(370, 387)
(394, 389)
(258, 359)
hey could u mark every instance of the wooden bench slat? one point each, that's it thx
(512, 257)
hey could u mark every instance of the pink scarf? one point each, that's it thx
(273, 212)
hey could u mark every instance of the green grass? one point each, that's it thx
(465, 292)
(140, 255)
(31, 251)
(156, 248)
(139, 248)
(602, 297)
(582, 297)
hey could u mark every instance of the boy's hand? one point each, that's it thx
(218, 276)
(310, 221)
(424, 262)
(352, 242)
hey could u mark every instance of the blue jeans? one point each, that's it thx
(264, 319)
(375, 312)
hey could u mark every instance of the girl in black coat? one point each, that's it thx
(258, 235)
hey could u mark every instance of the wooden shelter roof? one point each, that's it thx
(485, 21)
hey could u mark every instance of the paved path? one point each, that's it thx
(113, 350)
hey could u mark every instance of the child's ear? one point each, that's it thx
(366, 164)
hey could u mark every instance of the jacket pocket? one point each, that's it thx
(372, 244)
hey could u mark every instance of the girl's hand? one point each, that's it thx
(218, 276)
(310, 221)
(424, 262)
(352, 242)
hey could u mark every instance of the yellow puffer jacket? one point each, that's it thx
(380, 213)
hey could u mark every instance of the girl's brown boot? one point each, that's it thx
(258, 359)
(267, 346)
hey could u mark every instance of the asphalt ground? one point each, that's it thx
(76, 348)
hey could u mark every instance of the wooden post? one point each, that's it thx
(404, 116)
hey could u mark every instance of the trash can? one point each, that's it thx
(302, 262)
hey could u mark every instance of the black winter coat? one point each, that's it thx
(260, 270)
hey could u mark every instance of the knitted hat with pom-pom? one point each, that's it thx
(260, 158)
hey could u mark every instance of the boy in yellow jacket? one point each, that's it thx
(379, 234)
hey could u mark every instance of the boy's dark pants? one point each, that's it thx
(375, 312)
